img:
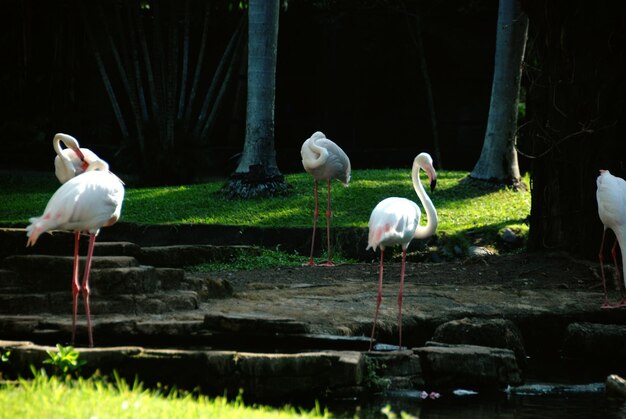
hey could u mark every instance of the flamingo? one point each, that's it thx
(324, 160)
(84, 203)
(396, 221)
(73, 160)
(611, 197)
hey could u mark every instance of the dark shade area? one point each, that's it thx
(350, 69)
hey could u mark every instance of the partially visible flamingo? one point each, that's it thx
(73, 160)
(324, 160)
(84, 203)
(396, 221)
(611, 197)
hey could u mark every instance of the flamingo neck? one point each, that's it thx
(57, 147)
(318, 155)
(431, 213)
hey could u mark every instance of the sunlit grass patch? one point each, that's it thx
(461, 206)
(99, 397)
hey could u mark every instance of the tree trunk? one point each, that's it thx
(498, 158)
(257, 174)
(576, 112)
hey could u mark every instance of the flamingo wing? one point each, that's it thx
(611, 197)
(84, 203)
(393, 221)
(324, 159)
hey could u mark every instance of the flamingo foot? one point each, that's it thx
(328, 263)
(606, 305)
(622, 303)
(311, 262)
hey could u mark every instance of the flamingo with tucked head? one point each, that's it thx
(324, 160)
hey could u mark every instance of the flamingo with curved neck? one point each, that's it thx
(397, 221)
(83, 204)
(73, 160)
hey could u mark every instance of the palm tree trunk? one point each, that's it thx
(498, 158)
(257, 173)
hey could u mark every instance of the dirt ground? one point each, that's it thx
(520, 270)
(340, 300)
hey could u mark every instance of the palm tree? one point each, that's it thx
(257, 173)
(498, 158)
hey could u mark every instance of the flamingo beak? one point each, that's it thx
(79, 153)
(84, 165)
(432, 177)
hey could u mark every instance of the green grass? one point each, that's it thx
(461, 207)
(98, 397)
(266, 258)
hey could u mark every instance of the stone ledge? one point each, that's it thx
(262, 377)
(467, 366)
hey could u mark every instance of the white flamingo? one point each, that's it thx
(324, 160)
(84, 203)
(611, 196)
(73, 160)
(396, 221)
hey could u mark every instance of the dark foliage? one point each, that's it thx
(576, 111)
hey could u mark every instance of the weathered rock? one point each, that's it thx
(510, 237)
(478, 252)
(397, 370)
(599, 343)
(470, 367)
(615, 386)
(208, 286)
(494, 333)
(258, 324)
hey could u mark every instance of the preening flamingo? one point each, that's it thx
(396, 221)
(611, 196)
(324, 160)
(73, 160)
(84, 203)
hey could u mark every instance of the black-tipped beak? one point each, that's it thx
(433, 183)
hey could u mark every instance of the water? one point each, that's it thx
(554, 389)
(540, 401)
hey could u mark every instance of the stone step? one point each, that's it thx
(186, 255)
(34, 263)
(8, 278)
(46, 272)
(109, 281)
(116, 249)
(61, 303)
(116, 281)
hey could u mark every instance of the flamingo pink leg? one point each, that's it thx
(85, 286)
(316, 213)
(379, 297)
(622, 301)
(329, 262)
(400, 296)
(606, 303)
(75, 285)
